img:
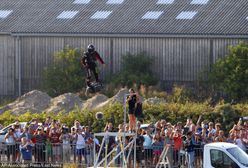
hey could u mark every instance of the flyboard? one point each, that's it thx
(94, 87)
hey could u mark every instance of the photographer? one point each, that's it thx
(132, 100)
(177, 138)
(10, 139)
(80, 145)
(18, 132)
(157, 147)
(89, 146)
(66, 138)
(148, 145)
(40, 145)
(221, 137)
(241, 139)
(27, 133)
(189, 145)
(54, 135)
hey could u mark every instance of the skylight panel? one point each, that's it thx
(5, 13)
(67, 15)
(115, 1)
(81, 1)
(165, 1)
(186, 15)
(101, 15)
(152, 15)
(247, 18)
(199, 2)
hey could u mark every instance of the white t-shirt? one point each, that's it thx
(80, 144)
(10, 139)
(147, 142)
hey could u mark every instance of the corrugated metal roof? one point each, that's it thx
(222, 17)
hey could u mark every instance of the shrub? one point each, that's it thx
(173, 112)
(133, 71)
(230, 74)
(152, 91)
(65, 75)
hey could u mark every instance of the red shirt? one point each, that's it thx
(54, 138)
(177, 143)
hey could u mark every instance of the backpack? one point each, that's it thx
(138, 110)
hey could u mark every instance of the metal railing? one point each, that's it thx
(61, 154)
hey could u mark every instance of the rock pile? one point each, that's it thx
(65, 103)
(95, 101)
(34, 101)
(37, 102)
(119, 97)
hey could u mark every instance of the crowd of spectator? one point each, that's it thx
(50, 141)
(53, 141)
(189, 139)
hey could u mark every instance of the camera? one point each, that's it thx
(184, 138)
(11, 130)
(245, 118)
(65, 130)
(242, 119)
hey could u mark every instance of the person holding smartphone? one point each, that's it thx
(132, 100)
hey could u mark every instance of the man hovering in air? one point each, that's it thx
(88, 61)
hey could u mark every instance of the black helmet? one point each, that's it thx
(91, 48)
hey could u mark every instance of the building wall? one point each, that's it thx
(38, 52)
(174, 59)
(7, 66)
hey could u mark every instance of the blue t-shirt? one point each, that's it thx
(26, 152)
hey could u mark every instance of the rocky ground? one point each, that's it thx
(36, 102)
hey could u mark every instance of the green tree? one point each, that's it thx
(136, 69)
(230, 74)
(65, 75)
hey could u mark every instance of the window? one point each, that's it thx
(67, 15)
(239, 155)
(101, 15)
(221, 159)
(199, 2)
(5, 13)
(81, 1)
(152, 15)
(186, 15)
(165, 1)
(115, 1)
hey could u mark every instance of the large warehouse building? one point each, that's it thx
(183, 37)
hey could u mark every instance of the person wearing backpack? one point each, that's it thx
(133, 99)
